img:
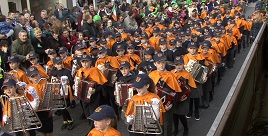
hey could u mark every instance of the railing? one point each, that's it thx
(235, 114)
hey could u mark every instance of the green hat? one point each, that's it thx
(96, 18)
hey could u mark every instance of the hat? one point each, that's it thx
(78, 47)
(209, 44)
(51, 51)
(142, 25)
(204, 45)
(120, 26)
(101, 49)
(125, 64)
(31, 71)
(86, 57)
(178, 39)
(159, 56)
(156, 30)
(8, 82)
(136, 35)
(178, 59)
(192, 45)
(102, 112)
(103, 41)
(141, 80)
(13, 59)
(120, 47)
(172, 42)
(144, 36)
(33, 56)
(57, 60)
(229, 31)
(162, 41)
(130, 46)
(63, 50)
(91, 39)
(117, 35)
(149, 50)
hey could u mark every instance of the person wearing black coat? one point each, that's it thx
(256, 26)
(55, 41)
(40, 43)
(163, 49)
(88, 27)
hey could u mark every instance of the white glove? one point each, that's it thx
(64, 80)
(35, 104)
(5, 118)
(32, 91)
(130, 119)
(155, 105)
(101, 67)
(21, 84)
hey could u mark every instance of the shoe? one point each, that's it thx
(197, 117)
(185, 133)
(64, 126)
(83, 116)
(189, 115)
(70, 125)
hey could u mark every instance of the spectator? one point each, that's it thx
(40, 44)
(80, 18)
(4, 52)
(19, 26)
(88, 27)
(61, 13)
(34, 24)
(70, 40)
(258, 5)
(21, 47)
(256, 26)
(55, 41)
(43, 18)
(6, 29)
(124, 6)
(130, 21)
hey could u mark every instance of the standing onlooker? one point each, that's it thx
(61, 13)
(88, 27)
(130, 21)
(43, 18)
(21, 47)
(40, 44)
(69, 39)
(19, 26)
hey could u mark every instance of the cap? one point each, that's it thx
(31, 71)
(229, 31)
(136, 35)
(13, 59)
(156, 30)
(120, 26)
(178, 39)
(130, 46)
(57, 60)
(172, 42)
(63, 50)
(142, 25)
(209, 44)
(8, 82)
(91, 39)
(86, 57)
(159, 56)
(125, 64)
(204, 45)
(51, 51)
(149, 50)
(120, 47)
(33, 56)
(101, 49)
(103, 41)
(141, 80)
(117, 35)
(102, 112)
(78, 47)
(178, 59)
(144, 36)
(192, 45)
(162, 41)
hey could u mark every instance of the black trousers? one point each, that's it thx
(194, 102)
(183, 120)
(168, 121)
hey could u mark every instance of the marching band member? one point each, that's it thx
(45, 116)
(134, 58)
(180, 109)
(87, 72)
(105, 122)
(33, 58)
(67, 60)
(14, 63)
(196, 95)
(51, 55)
(165, 81)
(147, 65)
(128, 76)
(58, 73)
(120, 50)
(146, 94)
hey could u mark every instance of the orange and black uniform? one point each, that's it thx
(44, 116)
(20, 75)
(92, 74)
(169, 83)
(67, 62)
(110, 132)
(42, 72)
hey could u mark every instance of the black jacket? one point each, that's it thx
(55, 44)
(89, 30)
(40, 47)
(63, 72)
(169, 54)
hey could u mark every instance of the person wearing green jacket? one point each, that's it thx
(21, 47)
